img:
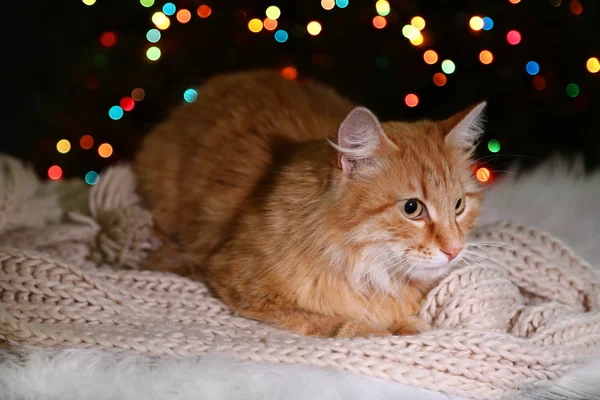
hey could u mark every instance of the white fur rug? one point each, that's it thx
(555, 198)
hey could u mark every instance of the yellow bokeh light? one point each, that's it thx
(328, 4)
(418, 23)
(593, 65)
(514, 1)
(105, 150)
(382, 7)
(410, 32)
(255, 25)
(161, 21)
(153, 53)
(273, 12)
(89, 2)
(313, 28)
(476, 23)
(430, 57)
(418, 40)
(63, 146)
(486, 57)
(483, 174)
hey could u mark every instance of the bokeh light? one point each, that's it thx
(92, 177)
(100, 60)
(138, 94)
(89, 2)
(255, 25)
(430, 57)
(270, 24)
(108, 39)
(86, 142)
(483, 174)
(514, 1)
(379, 22)
(92, 82)
(55, 172)
(153, 53)
(169, 9)
(555, 3)
(281, 36)
(382, 7)
(204, 11)
(273, 12)
(572, 90)
(439, 79)
(190, 95)
(486, 57)
(147, 3)
(184, 16)
(411, 100)
(314, 28)
(448, 66)
(488, 23)
(494, 145)
(341, 3)
(63, 146)
(410, 32)
(593, 65)
(538, 82)
(417, 41)
(532, 68)
(327, 4)
(289, 73)
(513, 37)
(575, 7)
(153, 35)
(115, 113)
(476, 23)
(105, 150)
(418, 23)
(127, 103)
(160, 20)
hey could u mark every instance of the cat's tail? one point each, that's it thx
(558, 196)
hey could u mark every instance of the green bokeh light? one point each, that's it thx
(448, 66)
(147, 3)
(494, 146)
(572, 90)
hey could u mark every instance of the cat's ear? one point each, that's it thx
(359, 138)
(464, 129)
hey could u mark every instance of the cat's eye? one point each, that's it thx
(460, 205)
(412, 208)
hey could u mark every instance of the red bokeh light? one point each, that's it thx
(127, 103)
(55, 172)
(513, 37)
(108, 39)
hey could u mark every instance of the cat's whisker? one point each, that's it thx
(375, 266)
(483, 257)
(397, 281)
(399, 265)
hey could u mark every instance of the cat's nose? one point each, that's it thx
(452, 252)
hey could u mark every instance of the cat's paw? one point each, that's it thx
(409, 326)
(351, 329)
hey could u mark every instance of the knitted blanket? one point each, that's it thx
(525, 314)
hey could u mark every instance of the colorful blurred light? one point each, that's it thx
(488, 23)
(439, 79)
(138, 94)
(483, 174)
(341, 3)
(127, 103)
(108, 39)
(100, 60)
(532, 68)
(593, 65)
(314, 28)
(86, 142)
(289, 73)
(514, 1)
(161, 21)
(555, 3)
(538, 82)
(379, 22)
(153, 35)
(494, 145)
(115, 113)
(89, 2)
(382, 7)
(281, 36)
(410, 32)
(476, 23)
(255, 25)
(270, 24)
(411, 100)
(92, 177)
(430, 57)
(147, 3)
(418, 40)
(575, 7)
(153, 53)
(486, 57)
(418, 23)
(327, 4)
(572, 90)
(169, 9)
(105, 150)
(448, 66)
(184, 16)
(513, 37)
(190, 95)
(63, 146)
(92, 82)
(273, 12)
(55, 172)
(204, 11)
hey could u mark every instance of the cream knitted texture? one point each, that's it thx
(525, 316)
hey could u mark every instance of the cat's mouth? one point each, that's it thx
(427, 269)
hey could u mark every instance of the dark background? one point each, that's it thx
(63, 81)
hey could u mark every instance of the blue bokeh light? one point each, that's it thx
(532, 68)
(153, 35)
(281, 36)
(115, 112)
(190, 95)
(92, 177)
(488, 23)
(169, 9)
(341, 3)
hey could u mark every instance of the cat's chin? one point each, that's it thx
(433, 271)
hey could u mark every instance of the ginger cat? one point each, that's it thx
(301, 210)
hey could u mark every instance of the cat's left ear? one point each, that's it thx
(464, 129)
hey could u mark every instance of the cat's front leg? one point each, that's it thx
(411, 325)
